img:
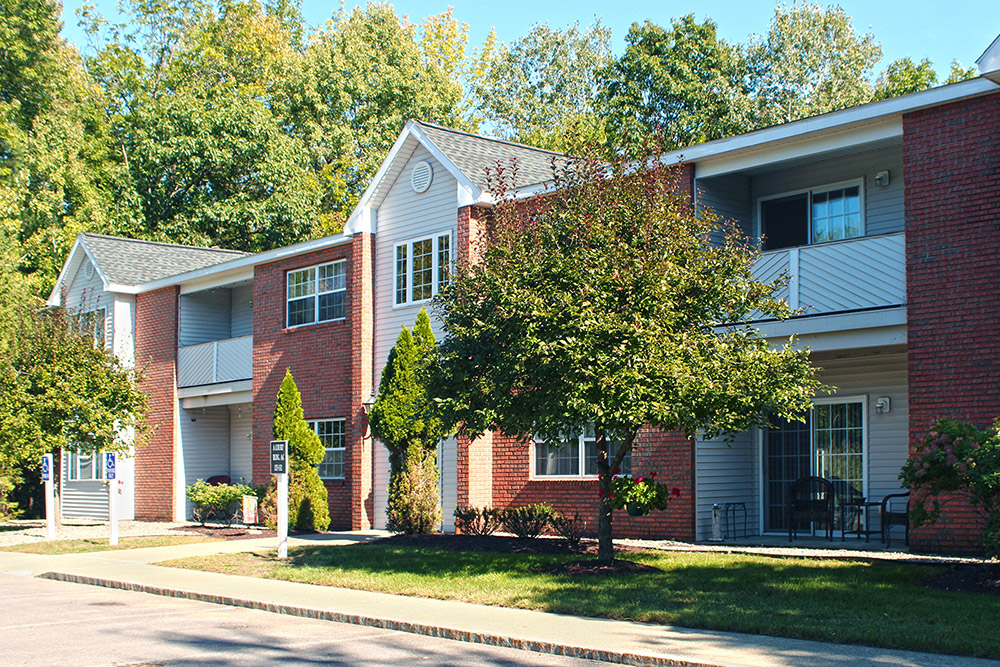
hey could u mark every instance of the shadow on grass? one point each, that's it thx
(870, 603)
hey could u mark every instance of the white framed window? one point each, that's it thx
(331, 434)
(317, 294)
(816, 215)
(421, 268)
(95, 322)
(84, 466)
(575, 456)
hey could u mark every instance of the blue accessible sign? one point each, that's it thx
(46, 473)
(109, 465)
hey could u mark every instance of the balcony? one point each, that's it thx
(844, 276)
(226, 360)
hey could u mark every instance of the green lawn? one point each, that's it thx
(856, 602)
(58, 547)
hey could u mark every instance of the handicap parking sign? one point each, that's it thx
(109, 465)
(45, 469)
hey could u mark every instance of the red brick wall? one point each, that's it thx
(669, 455)
(156, 355)
(361, 281)
(951, 173)
(322, 358)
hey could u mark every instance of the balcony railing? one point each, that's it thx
(224, 360)
(846, 275)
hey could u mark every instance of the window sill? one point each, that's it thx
(311, 325)
(562, 478)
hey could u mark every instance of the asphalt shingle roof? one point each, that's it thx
(474, 155)
(134, 262)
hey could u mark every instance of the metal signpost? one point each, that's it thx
(109, 475)
(50, 497)
(279, 467)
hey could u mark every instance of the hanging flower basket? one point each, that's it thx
(639, 495)
(635, 509)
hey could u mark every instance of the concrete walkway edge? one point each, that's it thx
(615, 657)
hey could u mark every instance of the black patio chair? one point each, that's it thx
(810, 500)
(890, 515)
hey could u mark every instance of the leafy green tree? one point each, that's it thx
(903, 76)
(811, 61)
(684, 84)
(541, 89)
(408, 421)
(960, 73)
(308, 505)
(609, 307)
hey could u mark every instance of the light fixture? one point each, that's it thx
(883, 405)
(369, 402)
(882, 179)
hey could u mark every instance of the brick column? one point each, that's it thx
(362, 307)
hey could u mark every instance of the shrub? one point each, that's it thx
(569, 528)
(413, 494)
(477, 521)
(527, 521)
(221, 502)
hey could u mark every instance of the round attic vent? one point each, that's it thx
(88, 270)
(420, 178)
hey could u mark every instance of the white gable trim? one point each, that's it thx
(73, 262)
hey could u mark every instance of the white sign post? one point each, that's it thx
(109, 474)
(50, 497)
(279, 467)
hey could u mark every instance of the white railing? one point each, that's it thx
(842, 276)
(225, 360)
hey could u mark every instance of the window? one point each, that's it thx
(317, 294)
(94, 321)
(422, 268)
(331, 434)
(814, 216)
(573, 455)
(84, 466)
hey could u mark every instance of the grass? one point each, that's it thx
(60, 547)
(845, 601)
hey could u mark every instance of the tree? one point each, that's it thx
(408, 421)
(308, 505)
(811, 62)
(541, 89)
(605, 305)
(903, 76)
(61, 392)
(683, 84)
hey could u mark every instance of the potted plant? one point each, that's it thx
(639, 495)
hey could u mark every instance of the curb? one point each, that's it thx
(488, 639)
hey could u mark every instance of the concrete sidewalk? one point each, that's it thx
(597, 639)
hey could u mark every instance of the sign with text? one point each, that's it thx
(279, 457)
(109, 465)
(46, 471)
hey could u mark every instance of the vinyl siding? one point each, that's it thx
(240, 445)
(86, 294)
(729, 197)
(204, 316)
(733, 473)
(85, 500)
(241, 321)
(448, 470)
(204, 450)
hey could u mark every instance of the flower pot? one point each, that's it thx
(635, 509)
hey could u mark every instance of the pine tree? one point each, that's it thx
(406, 420)
(307, 496)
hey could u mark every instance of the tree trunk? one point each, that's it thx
(605, 544)
(57, 476)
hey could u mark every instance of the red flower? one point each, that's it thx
(652, 476)
(616, 471)
(675, 492)
(611, 495)
(638, 480)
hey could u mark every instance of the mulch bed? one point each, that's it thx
(512, 545)
(228, 533)
(984, 578)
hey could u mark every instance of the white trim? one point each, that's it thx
(315, 293)
(840, 185)
(435, 238)
(55, 296)
(581, 461)
(312, 425)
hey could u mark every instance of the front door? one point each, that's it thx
(829, 444)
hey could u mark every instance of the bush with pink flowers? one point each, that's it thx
(956, 459)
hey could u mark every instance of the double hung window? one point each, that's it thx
(317, 294)
(331, 434)
(421, 268)
(575, 456)
(84, 466)
(819, 215)
(95, 323)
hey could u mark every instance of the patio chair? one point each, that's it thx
(891, 515)
(810, 500)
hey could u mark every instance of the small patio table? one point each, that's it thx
(862, 509)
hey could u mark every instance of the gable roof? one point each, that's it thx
(474, 155)
(125, 263)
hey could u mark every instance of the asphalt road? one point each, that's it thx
(54, 623)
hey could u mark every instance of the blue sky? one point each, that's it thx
(937, 29)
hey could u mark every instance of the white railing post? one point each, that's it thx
(793, 278)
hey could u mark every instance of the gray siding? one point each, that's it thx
(242, 313)
(448, 471)
(726, 473)
(240, 445)
(85, 500)
(729, 197)
(205, 316)
(883, 206)
(204, 445)
(86, 294)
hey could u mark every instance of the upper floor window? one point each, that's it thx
(819, 215)
(84, 466)
(317, 294)
(94, 322)
(422, 268)
(331, 434)
(575, 456)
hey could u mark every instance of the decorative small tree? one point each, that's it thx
(957, 459)
(408, 422)
(308, 508)
(610, 303)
